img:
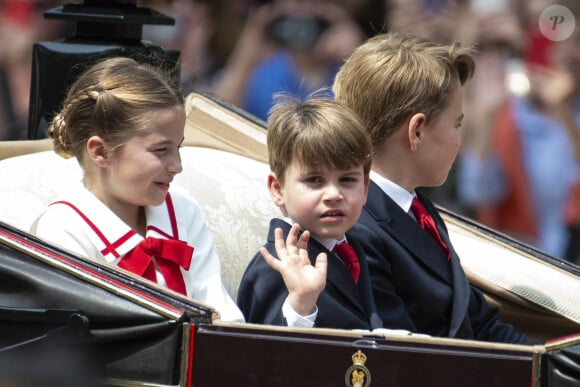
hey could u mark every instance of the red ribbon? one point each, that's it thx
(169, 254)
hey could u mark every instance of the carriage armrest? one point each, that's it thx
(22, 147)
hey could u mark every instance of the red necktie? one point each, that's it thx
(169, 255)
(345, 251)
(427, 223)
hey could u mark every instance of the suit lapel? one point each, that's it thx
(364, 283)
(461, 287)
(461, 295)
(337, 276)
(405, 229)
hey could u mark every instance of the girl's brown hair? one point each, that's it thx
(111, 100)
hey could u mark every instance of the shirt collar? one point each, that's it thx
(394, 191)
(328, 243)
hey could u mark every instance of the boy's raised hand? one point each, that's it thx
(303, 281)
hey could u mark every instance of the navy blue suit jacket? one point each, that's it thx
(342, 304)
(415, 286)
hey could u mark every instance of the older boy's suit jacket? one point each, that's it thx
(342, 304)
(416, 287)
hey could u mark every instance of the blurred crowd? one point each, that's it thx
(519, 170)
(21, 25)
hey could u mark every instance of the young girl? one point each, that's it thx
(124, 123)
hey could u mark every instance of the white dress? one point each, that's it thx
(80, 222)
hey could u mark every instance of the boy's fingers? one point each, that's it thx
(269, 258)
(292, 239)
(279, 243)
(304, 258)
(321, 262)
(303, 241)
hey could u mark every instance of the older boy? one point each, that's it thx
(408, 93)
(319, 155)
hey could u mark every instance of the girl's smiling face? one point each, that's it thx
(139, 172)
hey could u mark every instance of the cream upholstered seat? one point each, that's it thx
(225, 169)
(232, 191)
(229, 188)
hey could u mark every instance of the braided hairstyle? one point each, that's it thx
(111, 100)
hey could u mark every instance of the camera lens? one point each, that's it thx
(301, 32)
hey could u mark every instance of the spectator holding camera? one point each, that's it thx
(521, 174)
(292, 46)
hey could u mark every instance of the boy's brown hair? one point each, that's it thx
(394, 75)
(315, 133)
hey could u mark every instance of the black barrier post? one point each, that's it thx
(104, 28)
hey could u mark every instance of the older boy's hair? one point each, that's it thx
(394, 75)
(315, 133)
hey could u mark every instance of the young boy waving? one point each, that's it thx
(307, 274)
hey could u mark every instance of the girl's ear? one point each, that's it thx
(415, 130)
(276, 190)
(98, 151)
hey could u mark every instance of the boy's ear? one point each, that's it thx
(415, 130)
(276, 190)
(98, 151)
(367, 179)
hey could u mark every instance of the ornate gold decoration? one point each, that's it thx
(357, 374)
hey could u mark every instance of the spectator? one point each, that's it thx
(292, 46)
(204, 33)
(438, 20)
(22, 24)
(521, 175)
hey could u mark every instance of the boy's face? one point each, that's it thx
(326, 201)
(441, 142)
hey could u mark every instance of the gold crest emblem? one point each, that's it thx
(357, 374)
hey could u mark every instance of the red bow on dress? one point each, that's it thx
(169, 254)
